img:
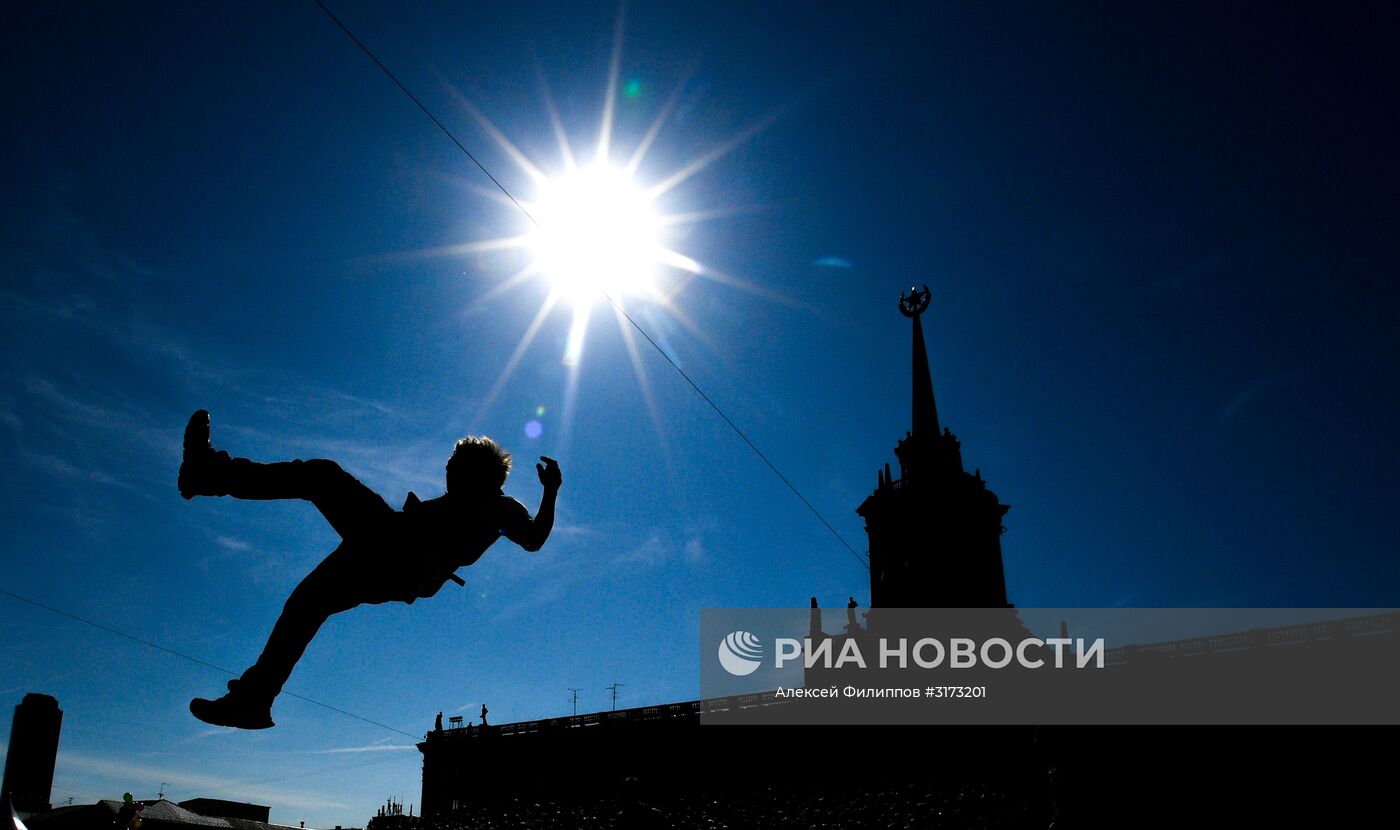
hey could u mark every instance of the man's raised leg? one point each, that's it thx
(347, 504)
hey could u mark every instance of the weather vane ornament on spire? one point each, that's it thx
(925, 410)
(914, 304)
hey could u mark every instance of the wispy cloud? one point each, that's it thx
(1214, 266)
(121, 772)
(1256, 389)
(10, 419)
(650, 551)
(78, 433)
(375, 747)
(695, 549)
(71, 290)
(658, 548)
(62, 468)
(208, 733)
(572, 530)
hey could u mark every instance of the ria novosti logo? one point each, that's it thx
(740, 653)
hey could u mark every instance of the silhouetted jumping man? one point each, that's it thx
(384, 556)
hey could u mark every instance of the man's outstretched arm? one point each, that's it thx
(532, 534)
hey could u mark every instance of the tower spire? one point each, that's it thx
(935, 532)
(925, 411)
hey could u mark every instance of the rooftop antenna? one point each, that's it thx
(575, 696)
(613, 687)
(161, 793)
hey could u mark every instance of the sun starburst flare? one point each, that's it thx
(596, 233)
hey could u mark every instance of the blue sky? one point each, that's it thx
(1161, 244)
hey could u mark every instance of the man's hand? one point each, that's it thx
(529, 533)
(550, 476)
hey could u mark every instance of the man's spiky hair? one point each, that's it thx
(477, 462)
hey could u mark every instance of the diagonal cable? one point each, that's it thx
(195, 660)
(693, 385)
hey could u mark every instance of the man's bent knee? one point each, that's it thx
(322, 469)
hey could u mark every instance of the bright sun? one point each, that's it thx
(597, 233)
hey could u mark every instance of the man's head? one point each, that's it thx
(477, 464)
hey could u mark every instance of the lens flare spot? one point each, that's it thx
(632, 88)
(539, 412)
(533, 430)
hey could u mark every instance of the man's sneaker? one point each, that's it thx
(202, 467)
(235, 710)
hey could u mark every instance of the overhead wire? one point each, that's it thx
(195, 660)
(615, 304)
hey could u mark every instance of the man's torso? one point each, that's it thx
(415, 551)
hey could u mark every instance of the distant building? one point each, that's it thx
(596, 754)
(392, 817)
(33, 751)
(157, 814)
(219, 808)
